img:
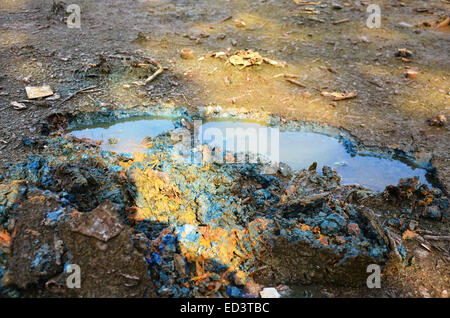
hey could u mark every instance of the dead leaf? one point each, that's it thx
(5, 239)
(409, 235)
(245, 58)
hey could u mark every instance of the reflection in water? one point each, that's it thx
(126, 136)
(300, 149)
(297, 149)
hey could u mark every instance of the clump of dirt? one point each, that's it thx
(48, 235)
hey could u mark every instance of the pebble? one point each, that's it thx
(269, 293)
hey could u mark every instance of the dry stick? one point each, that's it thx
(340, 21)
(154, 75)
(437, 238)
(385, 235)
(74, 94)
(290, 80)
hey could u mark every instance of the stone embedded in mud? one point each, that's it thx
(432, 212)
(333, 223)
(270, 293)
(103, 222)
(353, 229)
(431, 204)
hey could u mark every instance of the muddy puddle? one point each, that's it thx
(298, 149)
(125, 135)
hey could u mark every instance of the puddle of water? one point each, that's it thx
(127, 135)
(297, 149)
(300, 149)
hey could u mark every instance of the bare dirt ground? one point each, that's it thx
(328, 47)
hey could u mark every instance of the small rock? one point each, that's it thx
(186, 54)
(103, 222)
(269, 293)
(18, 106)
(403, 53)
(285, 170)
(336, 6)
(234, 292)
(413, 225)
(353, 229)
(180, 265)
(411, 74)
(405, 25)
(284, 290)
(7, 279)
(38, 92)
(437, 121)
(252, 289)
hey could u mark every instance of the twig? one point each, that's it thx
(293, 81)
(154, 75)
(258, 269)
(74, 94)
(340, 21)
(385, 235)
(437, 238)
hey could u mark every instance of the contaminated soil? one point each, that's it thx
(207, 248)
